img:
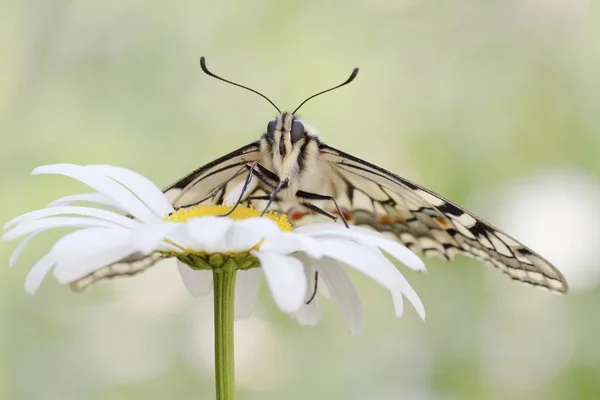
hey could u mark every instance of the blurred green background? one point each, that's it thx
(493, 104)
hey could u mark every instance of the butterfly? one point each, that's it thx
(291, 170)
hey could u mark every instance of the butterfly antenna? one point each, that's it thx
(347, 81)
(207, 72)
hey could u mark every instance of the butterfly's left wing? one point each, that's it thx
(424, 221)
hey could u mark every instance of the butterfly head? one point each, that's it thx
(286, 132)
(288, 143)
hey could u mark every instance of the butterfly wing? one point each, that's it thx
(131, 266)
(200, 183)
(426, 222)
(187, 191)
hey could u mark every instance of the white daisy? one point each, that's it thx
(295, 263)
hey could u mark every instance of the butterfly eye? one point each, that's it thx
(297, 131)
(271, 126)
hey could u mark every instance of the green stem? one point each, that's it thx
(224, 290)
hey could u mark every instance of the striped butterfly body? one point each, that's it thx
(291, 170)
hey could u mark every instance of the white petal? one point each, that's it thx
(309, 314)
(182, 238)
(404, 288)
(398, 302)
(264, 226)
(247, 286)
(319, 227)
(394, 248)
(324, 290)
(197, 282)
(19, 250)
(239, 238)
(83, 252)
(208, 233)
(146, 238)
(96, 198)
(103, 184)
(56, 222)
(141, 186)
(363, 235)
(38, 272)
(288, 242)
(286, 280)
(343, 293)
(364, 259)
(72, 210)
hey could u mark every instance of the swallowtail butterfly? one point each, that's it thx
(290, 169)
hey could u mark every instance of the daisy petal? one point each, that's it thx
(398, 302)
(286, 280)
(264, 226)
(72, 210)
(363, 235)
(364, 259)
(287, 242)
(85, 251)
(208, 233)
(197, 282)
(241, 238)
(404, 288)
(343, 293)
(17, 253)
(58, 222)
(308, 314)
(96, 198)
(324, 290)
(394, 248)
(127, 200)
(146, 238)
(247, 286)
(38, 272)
(141, 186)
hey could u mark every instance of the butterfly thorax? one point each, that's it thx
(290, 149)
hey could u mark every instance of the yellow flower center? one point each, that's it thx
(227, 261)
(240, 212)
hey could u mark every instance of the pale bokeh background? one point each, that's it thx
(493, 104)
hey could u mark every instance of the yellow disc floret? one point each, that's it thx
(240, 212)
(238, 260)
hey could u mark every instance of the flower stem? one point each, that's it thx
(224, 292)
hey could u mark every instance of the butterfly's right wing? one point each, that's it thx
(186, 191)
(425, 221)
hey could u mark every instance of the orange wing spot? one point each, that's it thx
(297, 215)
(384, 219)
(347, 216)
(442, 222)
(399, 220)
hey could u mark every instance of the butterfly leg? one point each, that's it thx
(244, 188)
(314, 293)
(315, 196)
(318, 210)
(281, 185)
